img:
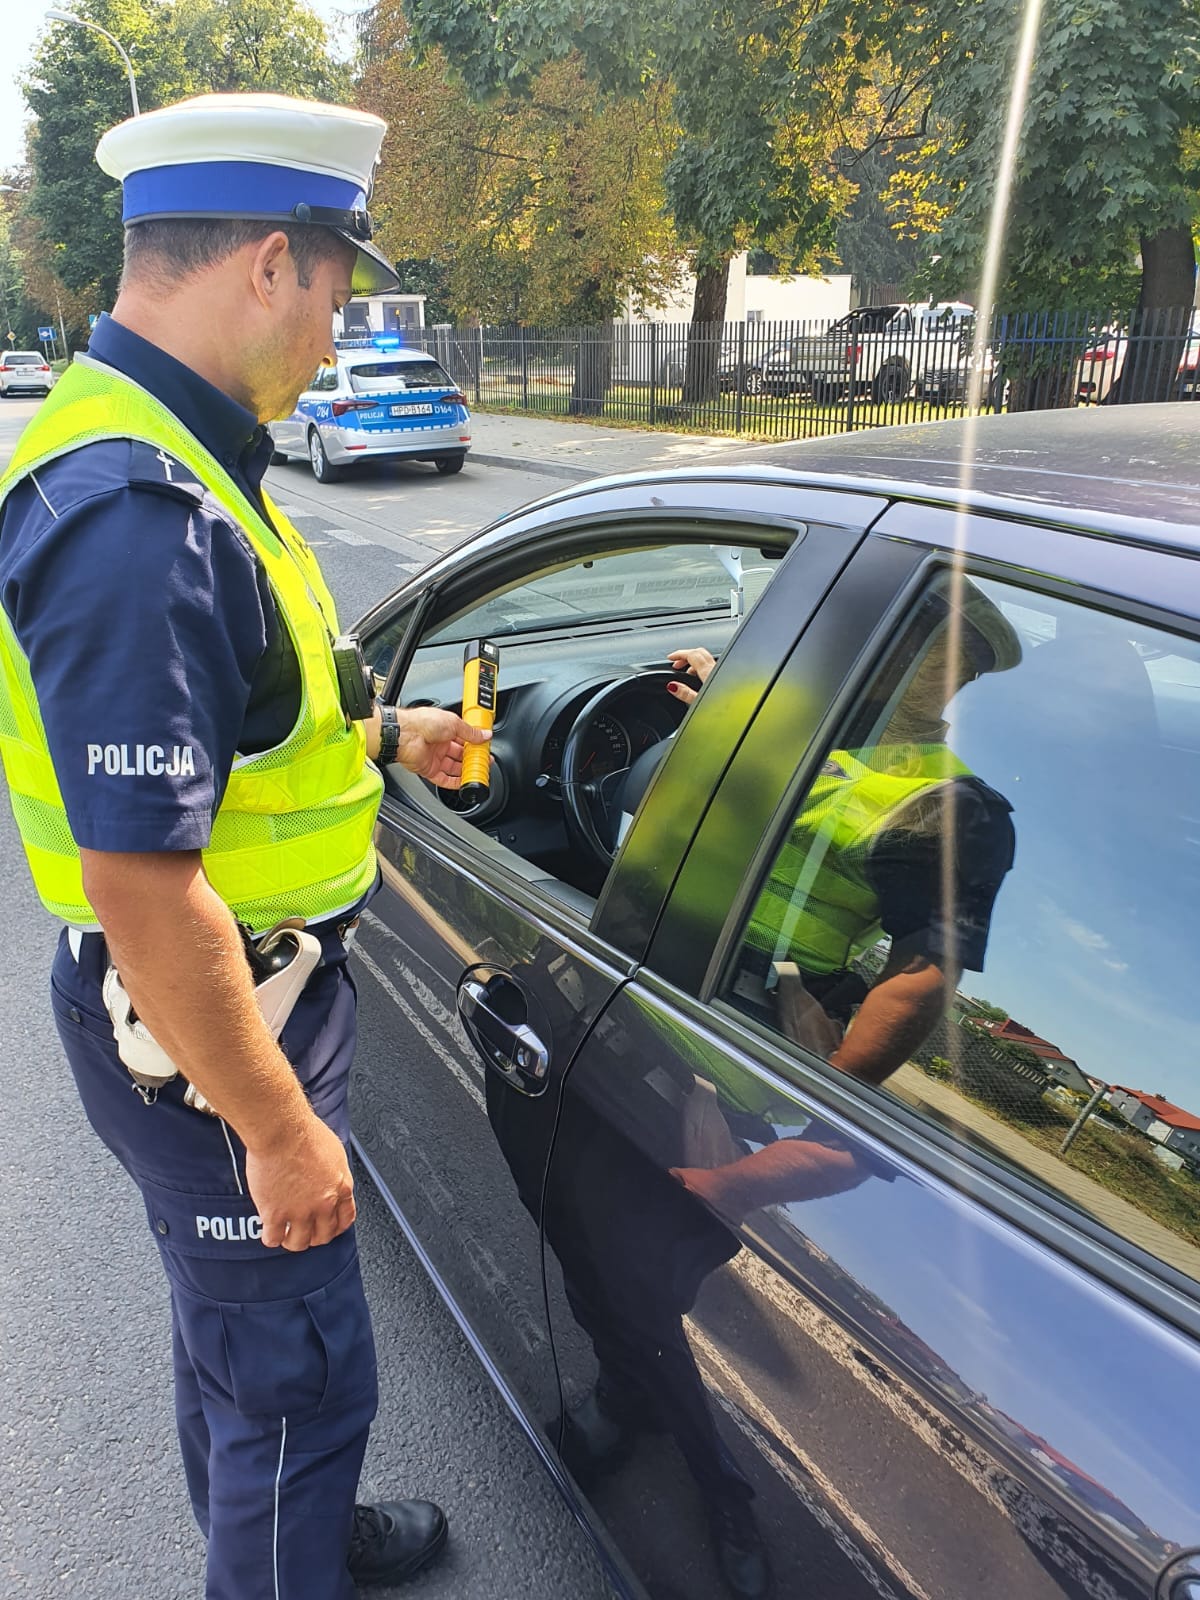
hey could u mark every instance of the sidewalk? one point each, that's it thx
(572, 450)
(1111, 1209)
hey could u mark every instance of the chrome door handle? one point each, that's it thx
(495, 1015)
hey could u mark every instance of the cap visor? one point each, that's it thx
(373, 272)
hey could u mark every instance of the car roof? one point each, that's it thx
(1136, 462)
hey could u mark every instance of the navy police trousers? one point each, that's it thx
(275, 1382)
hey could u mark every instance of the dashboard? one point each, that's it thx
(545, 687)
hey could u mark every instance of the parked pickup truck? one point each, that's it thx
(881, 351)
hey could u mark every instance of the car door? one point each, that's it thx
(842, 1338)
(480, 970)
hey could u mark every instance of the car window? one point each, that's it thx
(367, 375)
(626, 586)
(16, 360)
(568, 630)
(987, 900)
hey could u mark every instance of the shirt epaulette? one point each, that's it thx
(154, 469)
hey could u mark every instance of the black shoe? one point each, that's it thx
(740, 1552)
(394, 1539)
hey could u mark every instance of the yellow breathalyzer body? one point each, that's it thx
(481, 669)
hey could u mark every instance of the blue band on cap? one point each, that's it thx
(233, 188)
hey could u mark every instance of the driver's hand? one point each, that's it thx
(431, 743)
(697, 663)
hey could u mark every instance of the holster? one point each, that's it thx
(281, 962)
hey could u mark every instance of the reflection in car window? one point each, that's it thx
(988, 896)
(631, 585)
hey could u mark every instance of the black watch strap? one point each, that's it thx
(389, 734)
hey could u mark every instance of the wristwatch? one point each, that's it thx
(389, 734)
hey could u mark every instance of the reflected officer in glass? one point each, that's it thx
(191, 772)
(897, 838)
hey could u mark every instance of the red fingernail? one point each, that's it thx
(673, 688)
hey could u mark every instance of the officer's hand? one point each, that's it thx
(431, 743)
(302, 1187)
(698, 663)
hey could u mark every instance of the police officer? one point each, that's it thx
(179, 761)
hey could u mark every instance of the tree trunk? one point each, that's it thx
(1162, 320)
(704, 336)
(593, 369)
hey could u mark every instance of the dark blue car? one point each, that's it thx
(792, 1084)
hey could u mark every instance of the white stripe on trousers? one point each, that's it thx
(278, 1477)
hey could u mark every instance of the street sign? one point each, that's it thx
(45, 333)
(93, 318)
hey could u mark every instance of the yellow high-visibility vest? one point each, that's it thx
(293, 833)
(818, 908)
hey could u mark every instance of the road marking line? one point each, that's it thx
(748, 1405)
(345, 536)
(430, 1038)
(447, 1019)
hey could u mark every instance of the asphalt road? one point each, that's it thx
(92, 1505)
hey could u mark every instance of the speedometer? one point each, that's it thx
(605, 748)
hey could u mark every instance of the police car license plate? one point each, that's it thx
(425, 410)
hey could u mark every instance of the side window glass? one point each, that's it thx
(988, 900)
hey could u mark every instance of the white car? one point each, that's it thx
(378, 400)
(25, 372)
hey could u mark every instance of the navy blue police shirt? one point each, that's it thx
(152, 637)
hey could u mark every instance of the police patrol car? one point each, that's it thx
(379, 399)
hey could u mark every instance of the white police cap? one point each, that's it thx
(254, 155)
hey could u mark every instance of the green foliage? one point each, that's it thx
(540, 207)
(245, 45)
(19, 315)
(1104, 161)
(1019, 1052)
(430, 278)
(748, 165)
(77, 89)
(991, 1012)
(868, 242)
(938, 1067)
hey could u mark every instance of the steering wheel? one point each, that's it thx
(594, 809)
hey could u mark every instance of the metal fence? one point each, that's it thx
(875, 367)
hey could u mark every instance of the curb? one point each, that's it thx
(547, 469)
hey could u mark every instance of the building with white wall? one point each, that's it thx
(379, 313)
(755, 297)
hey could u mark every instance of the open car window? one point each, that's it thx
(568, 630)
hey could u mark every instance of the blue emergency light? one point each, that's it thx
(371, 341)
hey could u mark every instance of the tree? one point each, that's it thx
(19, 314)
(751, 161)
(279, 45)
(77, 89)
(1106, 169)
(540, 207)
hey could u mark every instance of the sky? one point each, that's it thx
(22, 29)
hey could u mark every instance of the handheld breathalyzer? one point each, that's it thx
(481, 667)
